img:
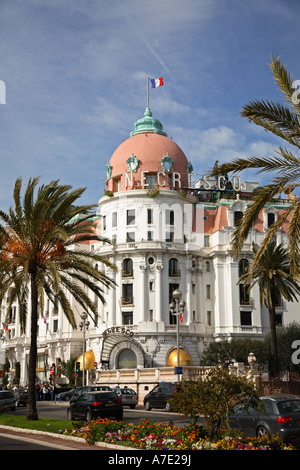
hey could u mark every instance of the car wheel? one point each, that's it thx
(67, 398)
(69, 414)
(147, 406)
(168, 406)
(262, 432)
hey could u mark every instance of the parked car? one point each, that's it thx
(90, 405)
(276, 414)
(21, 396)
(89, 388)
(129, 396)
(66, 396)
(7, 400)
(160, 395)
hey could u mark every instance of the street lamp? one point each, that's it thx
(178, 308)
(84, 326)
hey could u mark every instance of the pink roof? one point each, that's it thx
(149, 149)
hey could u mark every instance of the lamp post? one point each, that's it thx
(178, 308)
(84, 326)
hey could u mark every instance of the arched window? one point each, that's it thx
(127, 267)
(237, 217)
(127, 359)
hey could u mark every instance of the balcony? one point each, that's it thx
(126, 301)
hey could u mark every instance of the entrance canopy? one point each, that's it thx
(112, 347)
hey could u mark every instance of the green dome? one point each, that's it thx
(148, 124)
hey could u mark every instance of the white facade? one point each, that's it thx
(163, 237)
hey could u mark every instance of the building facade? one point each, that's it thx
(167, 232)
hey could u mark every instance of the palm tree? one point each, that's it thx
(272, 274)
(283, 122)
(38, 259)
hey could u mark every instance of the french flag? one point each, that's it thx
(156, 82)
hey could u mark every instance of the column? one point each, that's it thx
(158, 281)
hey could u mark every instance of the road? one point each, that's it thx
(48, 409)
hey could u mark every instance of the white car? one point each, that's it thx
(129, 396)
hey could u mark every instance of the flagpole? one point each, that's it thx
(148, 92)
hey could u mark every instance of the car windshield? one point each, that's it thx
(103, 396)
(128, 391)
(288, 406)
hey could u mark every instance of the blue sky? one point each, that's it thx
(76, 81)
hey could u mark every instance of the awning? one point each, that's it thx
(184, 358)
(89, 359)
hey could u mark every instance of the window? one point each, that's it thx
(130, 217)
(169, 217)
(206, 241)
(208, 317)
(127, 318)
(271, 219)
(151, 179)
(104, 222)
(127, 358)
(114, 219)
(246, 318)
(127, 294)
(130, 237)
(150, 236)
(55, 326)
(208, 291)
(244, 288)
(169, 237)
(127, 267)
(174, 268)
(151, 285)
(150, 216)
(237, 217)
(150, 315)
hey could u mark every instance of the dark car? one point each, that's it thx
(89, 388)
(275, 414)
(7, 400)
(66, 396)
(129, 396)
(90, 405)
(21, 397)
(160, 395)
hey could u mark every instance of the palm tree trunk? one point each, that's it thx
(274, 352)
(31, 407)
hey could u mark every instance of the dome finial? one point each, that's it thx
(148, 124)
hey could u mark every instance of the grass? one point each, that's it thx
(42, 424)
